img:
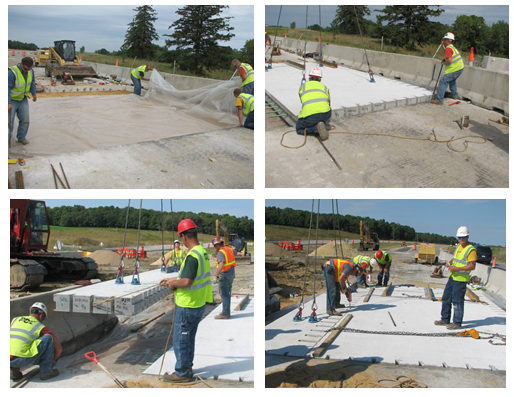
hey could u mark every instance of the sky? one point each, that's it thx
(97, 27)
(231, 207)
(486, 219)
(491, 14)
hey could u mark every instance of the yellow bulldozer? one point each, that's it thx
(63, 59)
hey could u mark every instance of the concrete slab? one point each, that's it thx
(224, 348)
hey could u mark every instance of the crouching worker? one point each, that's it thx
(244, 105)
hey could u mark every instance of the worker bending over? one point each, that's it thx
(367, 264)
(175, 256)
(244, 105)
(193, 290)
(463, 262)
(31, 342)
(336, 272)
(225, 273)
(246, 73)
(454, 68)
(316, 112)
(137, 75)
(384, 260)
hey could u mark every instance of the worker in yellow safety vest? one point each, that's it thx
(193, 290)
(246, 73)
(463, 262)
(367, 264)
(32, 342)
(175, 256)
(137, 75)
(225, 273)
(336, 272)
(316, 111)
(244, 105)
(454, 68)
(384, 260)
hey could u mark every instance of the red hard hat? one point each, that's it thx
(217, 240)
(379, 254)
(185, 225)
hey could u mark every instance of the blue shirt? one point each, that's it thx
(12, 82)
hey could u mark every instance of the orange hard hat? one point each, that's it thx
(185, 225)
(379, 254)
(217, 240)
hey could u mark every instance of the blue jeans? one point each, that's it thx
(311, 121)
(46, 352)
(247, 88)
(383, 271)
(448, 79)
(333, 288)
(249, 121)
(454, 292)
(137, 85)
(361, 280)
(184, 334)
(22, 109)
(225, 288)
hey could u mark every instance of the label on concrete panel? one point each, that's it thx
(82, 304)
(62, 302)
(105, 307)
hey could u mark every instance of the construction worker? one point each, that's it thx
(244, 105)
(176, 256)
(316, 112)
(460, 266)
(336, 272)
(268, 39)
(21, 86)
(31, 342)
(384, 260)
(364, 262)
(246, 73)
(137, 75)
(225, 273)
(193, 290)
(454, 68)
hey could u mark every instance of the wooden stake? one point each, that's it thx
(321, 349)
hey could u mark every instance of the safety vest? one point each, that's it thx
(21, 87)
(25, 332)
(457, 62)
(338, 264)
(460, 260)
(178, 258)
(136, 71)
(383, 261)
(249, 73)
(230, 259)
(200, 292)
(247, 103)
(360, 260)
(315, 98)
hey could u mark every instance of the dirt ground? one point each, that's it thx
(68, 94)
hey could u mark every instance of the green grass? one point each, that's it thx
(500, 253)
(289, 233)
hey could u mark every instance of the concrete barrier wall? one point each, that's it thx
(496, 64)
(486, 88)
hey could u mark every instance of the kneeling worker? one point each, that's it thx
(244, 105)
(137, 75)
(225, 273)
(31, 341)
(316, 111)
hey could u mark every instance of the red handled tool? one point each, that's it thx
(91, 356)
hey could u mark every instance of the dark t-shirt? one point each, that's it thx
(190, 268)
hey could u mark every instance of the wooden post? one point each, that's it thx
(321, 349)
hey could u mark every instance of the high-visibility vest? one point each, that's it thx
(338, 264)
(383, 261)
(457, 62)
(178, 258)
(247, 103)
(230, 259)
(460, 260)
(136, 71)
(200, 292)
(21, 87)
(249, 73)
(362, 261)
(315, 98)
(25, 333)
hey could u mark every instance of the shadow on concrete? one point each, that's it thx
(271, 333)
(239, 364)
(368, 307)
(489, 131)
(484, 322)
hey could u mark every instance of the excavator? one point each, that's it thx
(368, 239)
(31, 263)
(237, 243)
(63, 59)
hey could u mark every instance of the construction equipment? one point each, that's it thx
(31, 263)
(426, 254)
(42, 57)
(368, 239)
(63, 59)
(233, 240)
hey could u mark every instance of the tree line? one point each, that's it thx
(351, 224)
(19, 45)
(114, 217)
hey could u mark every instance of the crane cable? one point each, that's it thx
(163, 262)
(339, 228)
(300, 303)
(304, 78)
(314, 305)
(121, 264)
(320, 47)
(370, 72)
(275, 39)
(135, 275)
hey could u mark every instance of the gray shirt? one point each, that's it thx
(230, 274)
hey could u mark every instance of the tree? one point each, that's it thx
(82, 49)
(498, 39)
(470, 31)
(293, 25)
(246, 54)
(102, 51)
(346, 21)
(199, 30)
(141, 33)
(408, 24)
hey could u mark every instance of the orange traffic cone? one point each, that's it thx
(494, 262)
(285, 35)
(414, 249)
(116, 62)
(471, 57)
(23, 53)
(13, 53)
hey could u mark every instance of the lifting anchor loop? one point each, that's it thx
(313, 317)
(298, 315)
(135, 275)
(371, 76)
(119, 275)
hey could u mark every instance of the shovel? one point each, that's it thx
(437, 82)
(91, 356)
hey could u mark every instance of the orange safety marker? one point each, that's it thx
(116, 62)
(494, 262)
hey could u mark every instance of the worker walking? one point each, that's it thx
(137, 75)
(31, 342)
(246, 73)
(367, 264)
(316, 111)
(244, 105)
(454, 68)
(21, 86)
(460, 266)
(193, 290)
(225, 273)
(175, 256)
(384, 260)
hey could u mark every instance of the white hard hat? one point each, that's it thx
(449, 36)
(463, 231)
(373, 262)
(40, 306)
(315, 72)
(176, 241)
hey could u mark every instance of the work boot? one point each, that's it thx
(378, 284)
(440, 322)
(51, 375)
(176, 378)
(453, 326)
(334, 313)
(457, 97)
(340, 306)
(23, 141)
(436, 102)
(322, 131)
(221, 317)
(16, 374)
